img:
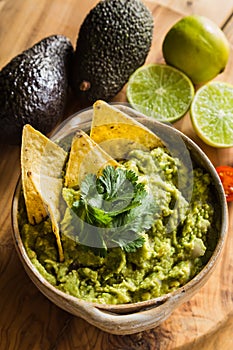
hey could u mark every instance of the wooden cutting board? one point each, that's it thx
(27, 319)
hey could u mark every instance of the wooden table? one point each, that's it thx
(27, 319)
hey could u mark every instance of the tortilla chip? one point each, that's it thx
(42, 156)
(49, 189)
(36, 210)
(118, 134)
(85, 157)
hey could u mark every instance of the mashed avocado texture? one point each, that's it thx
(174, 249)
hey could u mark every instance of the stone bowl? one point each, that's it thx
(134, 317)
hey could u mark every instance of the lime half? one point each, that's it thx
(212, 114)
(160, 91)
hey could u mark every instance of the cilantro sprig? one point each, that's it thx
(115, 210)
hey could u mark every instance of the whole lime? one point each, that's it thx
(198, 47)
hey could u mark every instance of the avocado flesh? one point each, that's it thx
(114, 40)
(34, 88)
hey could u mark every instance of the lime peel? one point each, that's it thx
(198, 47)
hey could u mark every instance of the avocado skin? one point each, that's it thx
(113, 41)
(34, 88)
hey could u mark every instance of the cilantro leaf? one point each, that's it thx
(131, 246)
(115, 209)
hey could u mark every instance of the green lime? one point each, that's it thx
(160, 91)
(212, 114)
(198, 47)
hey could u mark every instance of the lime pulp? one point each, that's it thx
(160, 91)
(212, 114)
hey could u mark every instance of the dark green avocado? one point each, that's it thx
(34, 88)
(113, 41)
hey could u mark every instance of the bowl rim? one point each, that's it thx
(182, 291)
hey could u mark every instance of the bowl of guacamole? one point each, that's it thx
(117, 218)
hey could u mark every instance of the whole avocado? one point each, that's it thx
(113, 41)
(34, 88)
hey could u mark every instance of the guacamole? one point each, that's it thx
(175, 248)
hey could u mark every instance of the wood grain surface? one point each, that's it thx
(28, 321)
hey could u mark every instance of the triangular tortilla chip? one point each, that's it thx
(85, 157)
(42, 156)
(117, 133)
(35, 207)
(49, 189)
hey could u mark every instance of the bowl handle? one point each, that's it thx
(132, 322)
